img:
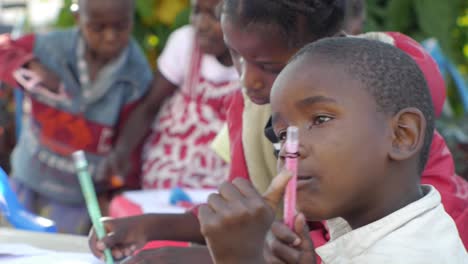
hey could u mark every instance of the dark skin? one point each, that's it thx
(355, 19)
(259, 54)
(125, 235)
(264, 54)
(327, 105)
(265, 58)
(106, 27)
(171, 255)
(204, 18)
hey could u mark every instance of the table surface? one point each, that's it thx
(56, 242)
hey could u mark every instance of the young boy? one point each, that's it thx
(365, 122)
(87, 79)
(262, 35)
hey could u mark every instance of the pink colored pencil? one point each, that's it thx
(292, 143)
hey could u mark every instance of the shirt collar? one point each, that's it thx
(346, 242)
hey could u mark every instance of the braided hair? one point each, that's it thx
(299, 21)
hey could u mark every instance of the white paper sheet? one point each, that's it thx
(157, 201)
(25, 254)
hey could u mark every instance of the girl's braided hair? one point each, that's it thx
(300, 21)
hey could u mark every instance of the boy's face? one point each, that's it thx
(259, 55)
(343, 139)
(205, 19)
(106, 26)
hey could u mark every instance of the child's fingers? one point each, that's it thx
(208, 220)
(245, 188)
(274, 194)
(283, 233)
(96, 247)
(268, 255)
(230, 192)
(302, 230)
(114, 239)
(272, 259)
(217, 203)
(109, 224)
(117, 253)
(284, 252)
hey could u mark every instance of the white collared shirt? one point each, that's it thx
(420, 233)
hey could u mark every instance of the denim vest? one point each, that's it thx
(54, 129)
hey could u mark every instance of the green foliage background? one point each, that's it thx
(445, 20)
(154, 21)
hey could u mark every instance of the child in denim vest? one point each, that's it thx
(81, 83)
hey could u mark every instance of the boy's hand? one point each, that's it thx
(115, 164)
(235, 221)
(286, 246)
(48, 78)
(171, 255)
(124, 236)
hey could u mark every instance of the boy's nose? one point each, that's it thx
(110, 35)
(250, 76)
(301, 150)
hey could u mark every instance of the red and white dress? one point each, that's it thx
(178, 151)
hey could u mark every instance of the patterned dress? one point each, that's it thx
(178, 151)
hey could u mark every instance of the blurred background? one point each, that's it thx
(441, 25)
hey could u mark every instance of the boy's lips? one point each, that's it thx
(306, 180)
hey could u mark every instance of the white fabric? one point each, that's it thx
(420, 233)
(175, 60)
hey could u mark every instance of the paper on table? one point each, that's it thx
(157, 201)
(25, 254)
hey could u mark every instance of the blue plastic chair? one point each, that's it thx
(16, 214)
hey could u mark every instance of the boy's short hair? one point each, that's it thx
(391, 76)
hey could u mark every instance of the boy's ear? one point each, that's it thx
(408, 129)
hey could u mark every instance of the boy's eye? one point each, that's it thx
(96, 28)
(121, 26)
(321, 119)
(281, 136)
(274, 71)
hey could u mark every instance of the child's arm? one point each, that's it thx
(235, 222)
(136, 128)
(13, 55)
(125, 235)
(182, 255)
